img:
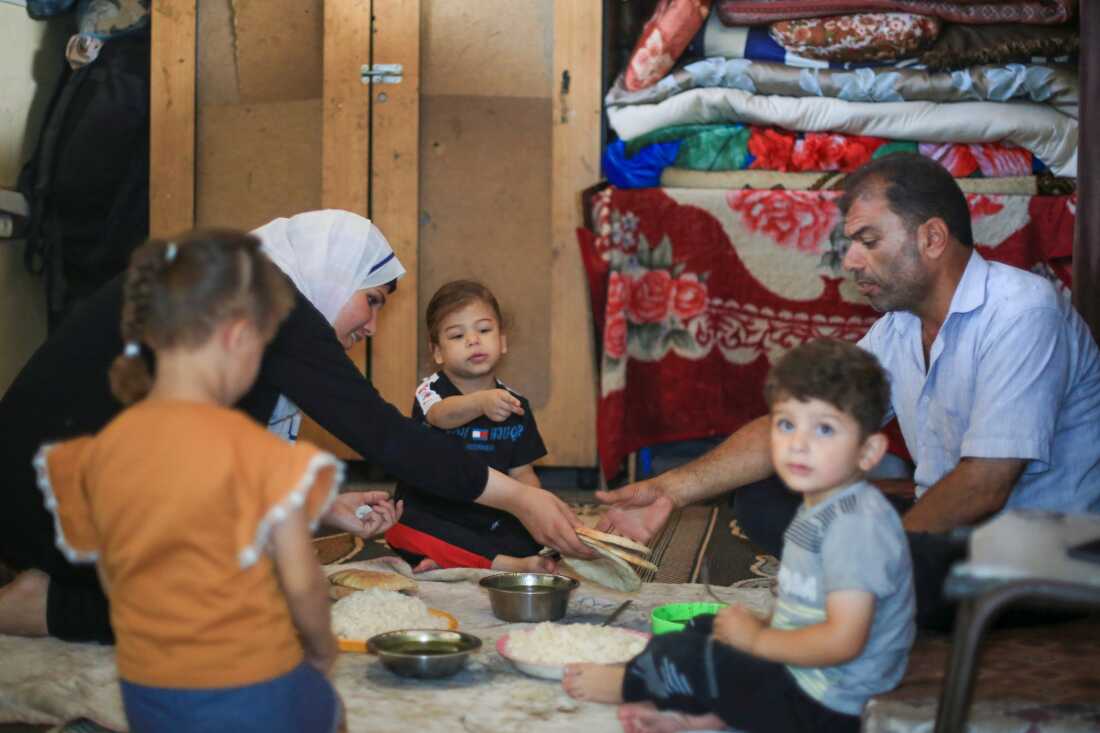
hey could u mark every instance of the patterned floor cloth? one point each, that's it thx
(733, 560)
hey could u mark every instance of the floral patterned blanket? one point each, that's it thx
(697, 292)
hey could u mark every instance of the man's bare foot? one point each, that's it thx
(595, 682)
(425, 565)
(532, 564)
(23, 604)
(644, 717)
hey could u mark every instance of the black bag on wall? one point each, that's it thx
(88, 181)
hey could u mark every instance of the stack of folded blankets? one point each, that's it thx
(782, 93)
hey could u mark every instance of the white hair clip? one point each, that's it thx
(170, 252)
(132, 350)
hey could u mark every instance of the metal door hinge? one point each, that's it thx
(381, 73)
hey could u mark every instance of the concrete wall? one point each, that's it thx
(31, 54)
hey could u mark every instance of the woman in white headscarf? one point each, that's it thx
(344, 270)
(341, 264)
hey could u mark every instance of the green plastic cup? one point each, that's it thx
(674, 616)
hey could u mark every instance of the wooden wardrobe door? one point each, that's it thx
(395, 190)
(172, 118)
(369, 166)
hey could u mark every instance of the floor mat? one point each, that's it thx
(682, 544)
(732, 560)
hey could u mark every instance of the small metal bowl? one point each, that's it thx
(423, 652)
(528, 596)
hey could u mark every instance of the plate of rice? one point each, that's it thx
(366, 613)
(544, 650)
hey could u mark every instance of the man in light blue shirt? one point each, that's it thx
(995, 382)
(1011, 374)
(995, 378)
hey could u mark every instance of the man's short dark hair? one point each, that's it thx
(837, 372)
(916, 188)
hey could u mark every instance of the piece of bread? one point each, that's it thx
(613, 539)
(608, 550)
(606, 570)
(336, 592)
(367, 579)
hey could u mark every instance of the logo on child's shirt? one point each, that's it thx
(802, 587)
(484, 439)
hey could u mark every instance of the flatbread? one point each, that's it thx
(605, 550)
(336, 592)
(367, 579)
(613, 539)
(606, 570)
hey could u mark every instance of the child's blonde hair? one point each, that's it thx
(454, 296)
(177, 292)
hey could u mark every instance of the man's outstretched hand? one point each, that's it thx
(638, 511)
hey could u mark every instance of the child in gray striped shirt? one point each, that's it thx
(844, 620)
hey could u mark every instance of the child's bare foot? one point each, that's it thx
(644, 717)
(23, 604)
(532, 564)
(425, 565)
(595, 682)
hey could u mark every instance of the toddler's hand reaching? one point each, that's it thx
(499, 404)
(738, 627)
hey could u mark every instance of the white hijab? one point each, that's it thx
(330, 255)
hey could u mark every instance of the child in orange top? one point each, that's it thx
(198, 518)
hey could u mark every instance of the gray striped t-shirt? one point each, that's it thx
(852, 541)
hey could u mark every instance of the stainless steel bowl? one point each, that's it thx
(528, 596)
(424, 652)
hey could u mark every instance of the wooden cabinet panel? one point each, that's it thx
(395, 191)
(172, 118)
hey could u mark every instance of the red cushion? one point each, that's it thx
(664, 38)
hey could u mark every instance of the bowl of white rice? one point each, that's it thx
(544, 649)
(367, 613)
